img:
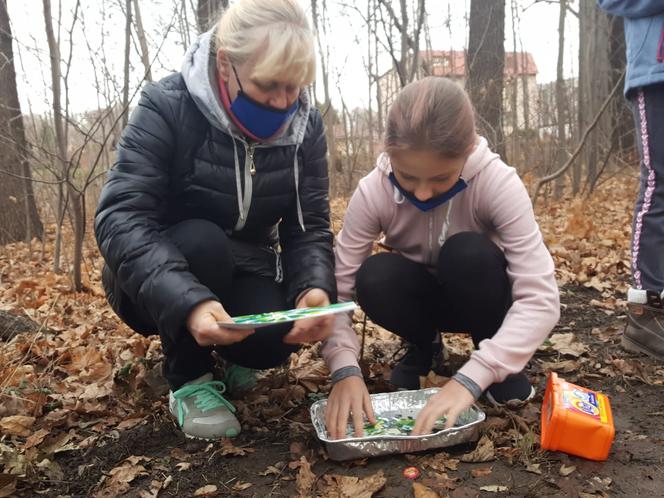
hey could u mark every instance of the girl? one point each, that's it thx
(467, 256)
(218, 206)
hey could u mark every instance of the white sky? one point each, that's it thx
(537, 32)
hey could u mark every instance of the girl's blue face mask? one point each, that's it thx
(435, 201)
(261, 120)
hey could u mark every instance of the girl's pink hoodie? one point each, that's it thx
(495, 203)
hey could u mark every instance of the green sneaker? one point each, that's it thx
(201, 410)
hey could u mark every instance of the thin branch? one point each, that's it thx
(582, 142)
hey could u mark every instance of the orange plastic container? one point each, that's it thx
(576, 420)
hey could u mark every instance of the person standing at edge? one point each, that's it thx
(217, 206)
(644, 88)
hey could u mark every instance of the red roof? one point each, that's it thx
(453, 63)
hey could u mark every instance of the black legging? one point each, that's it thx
(207, 250)
(469, 292)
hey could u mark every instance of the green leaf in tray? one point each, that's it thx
(397, 425)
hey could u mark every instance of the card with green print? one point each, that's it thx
(246, 322)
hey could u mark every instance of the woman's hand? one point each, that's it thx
(349, 396)
(450, 401)
(203, 326)
(311, 329)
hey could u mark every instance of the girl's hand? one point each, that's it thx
(203, 326)
(450, 401)
(311, 329)
(349, 396)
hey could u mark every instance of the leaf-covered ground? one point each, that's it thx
(83, 413)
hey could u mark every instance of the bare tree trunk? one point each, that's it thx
(320, 26)
(19, 219)
(145, 53)
(622, 123)
(407, 63)
(125, 88)
(58, 121)
(208, 12)
(560, 101)
(486, 65)
(370, 10)
(594, 80)
(379, 97)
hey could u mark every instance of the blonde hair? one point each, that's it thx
(276, 32)
(433, 114)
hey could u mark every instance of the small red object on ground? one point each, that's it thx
(411, 472)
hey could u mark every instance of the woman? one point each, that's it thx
(217, 206)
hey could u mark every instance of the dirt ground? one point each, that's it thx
(267, 459)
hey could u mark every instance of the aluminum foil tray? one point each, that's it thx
(405, 403)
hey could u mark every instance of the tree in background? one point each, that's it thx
(19, 219)
(595, 84)
(485, 65)
(405, 55)
(208, 12)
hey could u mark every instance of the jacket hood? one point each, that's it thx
(199, 71)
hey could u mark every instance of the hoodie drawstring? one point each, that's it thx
(296, 168)
(660, 49)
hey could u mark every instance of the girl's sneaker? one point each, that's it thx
(201, 410)
(515, 388)
(416, 363)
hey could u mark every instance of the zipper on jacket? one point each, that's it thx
(431, 237)
(250, 155)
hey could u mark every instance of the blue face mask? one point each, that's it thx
(434, 202)
(261, 120)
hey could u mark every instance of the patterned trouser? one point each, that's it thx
(648, 225)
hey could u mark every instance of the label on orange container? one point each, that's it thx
(583, 401)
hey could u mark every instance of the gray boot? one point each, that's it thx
(644, 332)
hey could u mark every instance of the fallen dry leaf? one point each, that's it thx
(565, 470)
(271, 470)
(228, 448)
(36, 439)
(494, 488)
(567, 344)
(484, 452)
(564, 366)
(209, 490)
(241, 486)
(422, 491)
(7, 485)
(16, 425)
(305, 477)
(333, 485)
(534, 468)
(121, 476)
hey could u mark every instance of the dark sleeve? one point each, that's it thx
(130, 219)
(307, 255)
(632, 8)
